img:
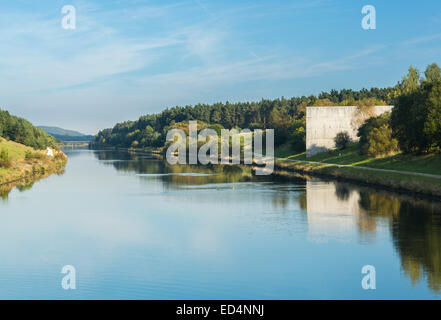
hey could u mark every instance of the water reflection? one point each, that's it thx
(21, 185)
(139, 228)
(415, 224)
(183, 176)
(333, 209)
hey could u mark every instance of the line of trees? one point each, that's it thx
(416, 118)
(22, 131)
(286, 116)
(414, 126)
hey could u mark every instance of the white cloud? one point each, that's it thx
(423, 39)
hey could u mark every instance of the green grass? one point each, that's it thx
(397, 181)
(430, 164)
(20, 167)
(15, 150)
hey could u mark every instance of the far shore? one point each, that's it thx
(408, 182)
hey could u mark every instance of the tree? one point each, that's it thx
(4, 159)
(298, 136)
(342, 140)
(408, 84)
(433, 73)
(22, 131)
(411, 81)
(416, 119)
(432, 124)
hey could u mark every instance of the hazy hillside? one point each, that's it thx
(61, 131)
(66, 135)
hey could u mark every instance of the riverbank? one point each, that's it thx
(25, 165)
(417, 175)
(420, 175)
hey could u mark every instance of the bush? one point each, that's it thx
(376, 136)
(298, 136)
(380, 142)
(5, 162)
(33, 155)
(342, 140)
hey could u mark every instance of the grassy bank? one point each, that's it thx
(402, 179)
(25, 164)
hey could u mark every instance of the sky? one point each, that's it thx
(129, 58)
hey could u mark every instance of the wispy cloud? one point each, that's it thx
(135, 56)
(423, 39)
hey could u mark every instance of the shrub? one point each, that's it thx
(380, 142)
(342, 140)
(5, 162)
(298, 136)
(33, 155)
(60, 156)
(376, 136)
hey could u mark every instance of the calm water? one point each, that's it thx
(136, 228)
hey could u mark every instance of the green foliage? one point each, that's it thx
(5, 162)
(376, 136)
(416, 119)
(342, 140)
(216, 127)
(433, 73)
(380, 142)
(33, 155)
(22, 131)
(285, 116)
(298, 136)
(407, 85)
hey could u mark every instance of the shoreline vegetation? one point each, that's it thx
(27, 154)
(21, 165)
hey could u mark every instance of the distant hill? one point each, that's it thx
(61, 132)
(66, 135)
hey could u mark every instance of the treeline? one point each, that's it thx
(414, 126)
(285, 116)
(22, 131)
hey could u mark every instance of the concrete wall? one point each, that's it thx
(323, 124)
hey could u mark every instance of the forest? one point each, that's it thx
(286, 116)
(22, 131)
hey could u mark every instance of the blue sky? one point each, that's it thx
(133, 57)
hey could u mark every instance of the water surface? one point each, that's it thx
(136, 228)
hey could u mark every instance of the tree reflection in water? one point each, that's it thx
(416, 230)
(415, 224)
